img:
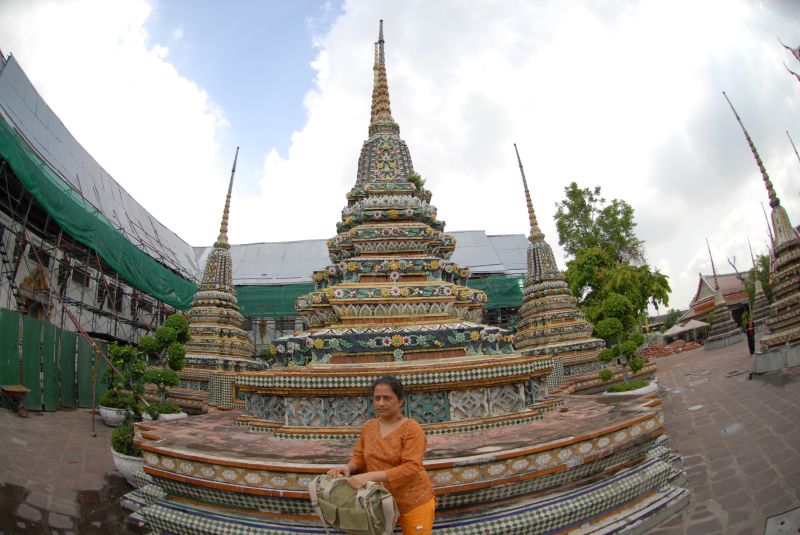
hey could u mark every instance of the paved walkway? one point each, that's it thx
(55, 477)
(740, 440)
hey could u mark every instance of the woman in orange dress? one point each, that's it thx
(390, 451)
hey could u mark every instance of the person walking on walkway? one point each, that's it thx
(751, 335)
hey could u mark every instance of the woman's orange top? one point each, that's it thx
(399, 454)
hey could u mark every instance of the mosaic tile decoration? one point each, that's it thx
(543, 515)
(467, 472)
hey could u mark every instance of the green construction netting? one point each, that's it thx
(277, 301)
(502, 290)
(86, 225)
(271, 301)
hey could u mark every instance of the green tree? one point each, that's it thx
(608, 273)
(585, 220)
(671, 319)
(762, 269)
(166, 351)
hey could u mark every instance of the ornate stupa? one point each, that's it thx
(760, 307)
(215, 323)
(724, 331)
(502, 456)
(784, 319)
(550, 323)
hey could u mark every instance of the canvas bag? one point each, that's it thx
(369, 510)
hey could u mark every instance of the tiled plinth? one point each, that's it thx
(600, 462)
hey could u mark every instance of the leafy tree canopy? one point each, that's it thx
(608, 273)
(585, 220)
(672, 318)
(762, 270)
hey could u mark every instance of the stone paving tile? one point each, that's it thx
(741, 450)
(49, 465)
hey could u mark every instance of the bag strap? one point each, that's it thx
(387, 504)
(312, 490)
(389, 514)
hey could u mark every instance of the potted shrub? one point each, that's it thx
(126, 454)
(114, 407)
(166, 352)
(165, 410)
(121, 387)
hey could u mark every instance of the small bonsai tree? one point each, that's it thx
(166, 348)
(166, 353)
(625, 348)
(605, 375)
(122, 441)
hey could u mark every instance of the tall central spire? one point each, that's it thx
(536, 233)
(773, 197)
(784, 231)
(381, 121)
(222, 240)
(713, 268)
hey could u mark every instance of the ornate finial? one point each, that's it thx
(713, 269)
(773, 198)
(381, 120)
(536, 233)
(769, 226)
(752, 258)
(793, 146)
(222, 240)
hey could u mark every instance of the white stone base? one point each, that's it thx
(652, 387)
(724, 342)
(776, 359)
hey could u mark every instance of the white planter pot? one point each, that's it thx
(127, 466)
(652, 387)
(173, 416)
(112, 417)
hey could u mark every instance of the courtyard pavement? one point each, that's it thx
(740, 440)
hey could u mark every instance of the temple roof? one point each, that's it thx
(294, 261)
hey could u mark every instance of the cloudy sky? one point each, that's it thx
(624, 95)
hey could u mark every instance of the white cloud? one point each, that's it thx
(153, 129)
(629, 100)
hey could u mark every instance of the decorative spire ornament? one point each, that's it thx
(784, 231)
(222, 240)
(713, 269)
(381, 120)
(536, 233)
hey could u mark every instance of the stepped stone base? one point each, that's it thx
(776, 359)
(725, 341)
(599, 467)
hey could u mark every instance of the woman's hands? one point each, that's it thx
(341, 471)
(359, 480)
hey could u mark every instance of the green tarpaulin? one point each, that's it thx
(502, 290)
(271, 301)
(277, 301)
(86, 225)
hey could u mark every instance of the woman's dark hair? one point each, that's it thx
(393, 383)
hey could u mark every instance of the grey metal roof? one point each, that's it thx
(512, 250)
(25, 110)
(294, 261)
